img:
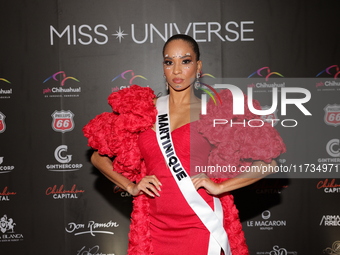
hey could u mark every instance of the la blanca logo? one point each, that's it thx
(7, 229)
(61, 155)
(62, 121)
(6, 224)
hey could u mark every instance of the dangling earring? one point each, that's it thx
(197, 82)
(166, 83)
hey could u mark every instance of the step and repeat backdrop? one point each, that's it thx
(59, 61)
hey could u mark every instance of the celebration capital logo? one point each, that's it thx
(61, 90)
(128, 76)
(329, 186)
(60, 192)
(5, 194)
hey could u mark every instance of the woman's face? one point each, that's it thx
(180, 65)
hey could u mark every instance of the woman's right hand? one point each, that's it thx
(149, 185)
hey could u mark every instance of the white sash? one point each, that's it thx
(213, 220)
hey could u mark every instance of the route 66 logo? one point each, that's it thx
(332, 115)
(2, 122)
(62, 121)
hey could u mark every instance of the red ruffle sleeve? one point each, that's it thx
(238, 144)
(115, 134)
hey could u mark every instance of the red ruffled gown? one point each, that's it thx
(166, 224)
(174, 227)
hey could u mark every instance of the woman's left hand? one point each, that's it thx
(203, 181)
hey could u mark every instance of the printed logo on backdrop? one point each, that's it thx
(60, 192)
(333, 150)
(5, 194)
(67, 86)
(4, 169)
(101, 34)
(61, 155)
(2, 123)
(277, 250)
(5, 91)
(330, 221)
(327, 79)
(259, 84)
(95, 250)
(123, 193)
(334, 250)
(7, 230)
(267, 223)
(62, 121)
(332, 115)
(127, 78)
(329, 186)
(91, 228)
(266, 186)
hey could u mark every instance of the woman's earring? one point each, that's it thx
(197, 82)
(166, 83)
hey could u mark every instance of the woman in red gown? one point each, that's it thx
(162, 221)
